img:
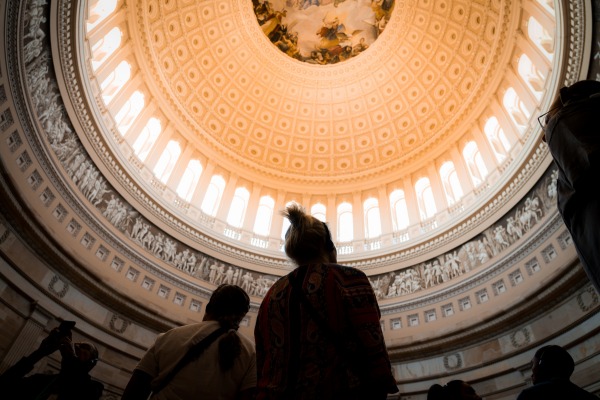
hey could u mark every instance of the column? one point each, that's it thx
(159, 147)
(116, 19)
(412, 204)
(523, 91)
(358, 217)
(487, 153)
(460, 166)
(439, 194)
(385, 215)
(207, 174)
(227, 197)
(331, 216)
(508, 126)
(180, 167)
(136, 129)
(252, 207)
(28, 338)
(121, 54)
(125, 93)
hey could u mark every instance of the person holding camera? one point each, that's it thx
(73, 382)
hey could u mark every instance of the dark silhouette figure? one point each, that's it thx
(453, 390)
(73, 382)
(573, 138)
(206, 360)
(318, 332)
(551, 370)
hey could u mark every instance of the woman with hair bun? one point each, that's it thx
(318, 332)
(222, 368)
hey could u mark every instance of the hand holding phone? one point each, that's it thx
(65, 327)
(56, 337)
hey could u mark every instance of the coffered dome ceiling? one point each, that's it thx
(287, 123)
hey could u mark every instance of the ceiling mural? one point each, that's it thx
(323, 31)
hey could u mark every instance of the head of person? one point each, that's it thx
(308, 239)
(78, 357)
(570, 95)
(551, 362)
(228, 304)
(453, 390)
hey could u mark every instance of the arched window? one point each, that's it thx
(130, 110)
(516, 109)
(425, 199)
(239, 205)
(319, 211)
(497, 138)
(98, 11)
(147, 138)
(475, 163)
(540, 37)
(450, 182)
(189, 180)
(345, 225)
(213, 194)
(372, 218)
(166, 162)
(399, 210)
(264, 216)
(104, 47)
(532, 77)
(115, 81)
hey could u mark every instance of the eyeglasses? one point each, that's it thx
(544, 118)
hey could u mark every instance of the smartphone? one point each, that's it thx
(66, 326)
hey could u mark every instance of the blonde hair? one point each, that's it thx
(307, 239)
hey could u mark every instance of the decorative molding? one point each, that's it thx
(58, 286)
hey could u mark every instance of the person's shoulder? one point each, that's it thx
(528, 393)
(185, 328)
(347, 271)
(349, 277)
(560, 389)
(279, 284)
(180, 333)
(583, 394)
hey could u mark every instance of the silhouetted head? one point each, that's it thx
(570, 95)
(78, 357)
(551, 362)
(228, 305)
(453, 390)
(308, 239)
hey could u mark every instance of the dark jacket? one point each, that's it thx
(77, 385)
(573, 139)
(562, 389)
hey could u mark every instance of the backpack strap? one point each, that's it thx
(193, 353)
